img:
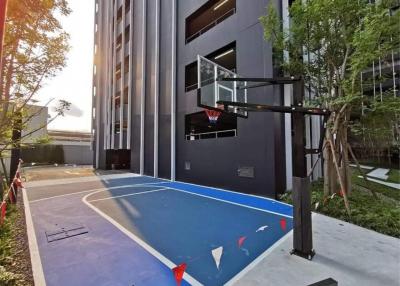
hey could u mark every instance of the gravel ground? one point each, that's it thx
(56, 172)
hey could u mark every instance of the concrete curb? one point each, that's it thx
(37, 269)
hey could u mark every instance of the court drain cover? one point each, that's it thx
(60, 233)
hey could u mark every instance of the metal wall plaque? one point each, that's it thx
(246, 172)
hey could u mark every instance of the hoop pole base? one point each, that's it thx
(308, 255)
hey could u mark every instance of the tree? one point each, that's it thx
(330, 43)
(35, 48)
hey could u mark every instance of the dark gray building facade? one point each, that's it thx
(145, 113)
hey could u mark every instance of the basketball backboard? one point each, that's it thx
(212, 89)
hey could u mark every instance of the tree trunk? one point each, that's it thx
(327, 176)
(342, 185)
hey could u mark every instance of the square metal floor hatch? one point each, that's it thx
(60, 233)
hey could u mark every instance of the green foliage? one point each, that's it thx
(379, 125)
(8, 278)
(35, 48)
(379, 215)
(43, 140)
(331, 42)
(394, 176)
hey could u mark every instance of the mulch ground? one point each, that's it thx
(17, 263)
(21, 256)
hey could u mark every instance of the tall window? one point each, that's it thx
(198, 126)
(209, 15)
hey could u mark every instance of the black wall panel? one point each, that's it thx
(259, 144)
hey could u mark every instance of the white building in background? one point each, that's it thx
(36, 127)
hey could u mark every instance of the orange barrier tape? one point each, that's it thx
(3, 208)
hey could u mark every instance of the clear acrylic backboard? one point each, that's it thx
(212, 88)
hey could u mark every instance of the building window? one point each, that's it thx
(119, 15)
(127, 33)
(198, 126)
(126, 95)
(118, 71)
(119, 42)
(209, 15)
(126, 65)
(118, 99)
(225, 57)
(127, 6)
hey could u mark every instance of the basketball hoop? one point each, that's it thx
(212, 115)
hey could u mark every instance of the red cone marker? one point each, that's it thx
(178, 273)
(283, 224)
(241, 241)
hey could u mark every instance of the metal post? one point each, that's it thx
(302, 228)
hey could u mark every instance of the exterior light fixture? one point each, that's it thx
(224, 54)
(220, 4)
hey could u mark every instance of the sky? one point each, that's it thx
(74, 82)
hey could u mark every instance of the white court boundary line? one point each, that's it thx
(256, 261)
(37, 268)
(139, 241)
(165, 260)
(127, 195)
(232, 203)
(208, 197)
(223, 190)
(260, 258)
(93, 190)
(147, 247)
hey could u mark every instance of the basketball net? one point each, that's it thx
(212, 115)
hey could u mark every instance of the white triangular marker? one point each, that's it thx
(333, 196)
(217, 254)
(316, 205)
(262, 228)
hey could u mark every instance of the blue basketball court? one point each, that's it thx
(154, 226)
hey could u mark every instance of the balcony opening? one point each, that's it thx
(209, 15)
(198, 126)
(226, 57)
